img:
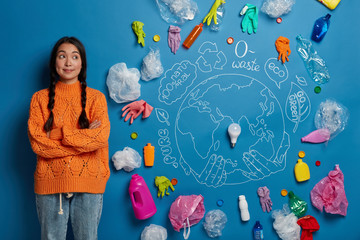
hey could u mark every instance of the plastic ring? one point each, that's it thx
(230, 40)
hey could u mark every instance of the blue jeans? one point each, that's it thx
(84, 210)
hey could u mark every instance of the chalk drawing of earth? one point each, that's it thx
(202, 138)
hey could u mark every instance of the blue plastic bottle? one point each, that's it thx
(258, 231)
(321, 27)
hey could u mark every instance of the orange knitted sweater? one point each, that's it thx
(70, 159)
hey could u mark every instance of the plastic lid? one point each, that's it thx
(230, 40)
(174, 181)
(279, 20)
(317, 89)
(317, 163)
(133, 135)
(284, 192)
(241, 197)
(156, 38)
(220, 202)
(301, 154)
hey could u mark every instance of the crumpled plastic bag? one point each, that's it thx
(151, 66)
(154, 232)
(215, 221)
(285, 224)
(331, 115)
(329, 193)
(123, 83)
(276, 8)
(186, 207)
(308, 224)
(128, 159)
(177, 11)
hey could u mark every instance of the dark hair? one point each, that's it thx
(83, 120)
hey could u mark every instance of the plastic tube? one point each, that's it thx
(193, 36)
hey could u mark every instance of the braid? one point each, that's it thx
(83, 120)
(49, 122)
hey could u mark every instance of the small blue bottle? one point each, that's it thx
(258, 231)
(321, 27)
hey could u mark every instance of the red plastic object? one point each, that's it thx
(193, 36)
(279, 20)
(317, 163)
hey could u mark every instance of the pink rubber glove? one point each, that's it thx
(134, 109)
(174, 38)
(265, 201)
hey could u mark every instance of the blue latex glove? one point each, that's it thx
(250, 20)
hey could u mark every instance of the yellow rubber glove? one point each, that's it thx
(212, 12)
(163, 185)
(137, 28)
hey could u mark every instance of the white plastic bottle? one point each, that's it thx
(243, 206)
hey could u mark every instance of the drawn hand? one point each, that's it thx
(212, 13)
(283, 48)
(214, 174)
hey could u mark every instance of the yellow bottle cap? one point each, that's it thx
(284, 192)
(301, 154)
(134, 135)
(156, 38)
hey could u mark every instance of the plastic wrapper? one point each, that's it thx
(331, 115)
(123, 83)
(329, 193)
(154, 232)
(127, 159)
(315, 65)
(277, 8)
(177, 11)
(151, 66)
(285, 224)
(186, 207)
(215, 221)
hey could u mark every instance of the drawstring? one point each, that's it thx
(186, 235)
(68, 195)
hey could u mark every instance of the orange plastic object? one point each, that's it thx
(174, 181)
(301, 154)
(283, 48)
(149, 155)
(284, 192)
(193, 36)
(230, 40)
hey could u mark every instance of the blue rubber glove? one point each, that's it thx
(250, 20)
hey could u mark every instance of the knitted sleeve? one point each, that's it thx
(88, 140)
(40, 143)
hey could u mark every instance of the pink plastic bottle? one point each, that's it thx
(141, 199)
(317, 136)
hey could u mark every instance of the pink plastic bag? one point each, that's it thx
(330, 193)
(186, 211)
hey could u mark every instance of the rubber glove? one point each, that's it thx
(265, 201)
(163, 185)
(134, 109)
(212, 12)
(250, 20)
(174, 38)
(137, 28)
(283, 48)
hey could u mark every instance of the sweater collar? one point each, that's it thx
(68, 89)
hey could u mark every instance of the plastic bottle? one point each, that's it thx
(149, 155)
(258, 231)
(193, 36)
(297, 205)
(318, 136)
(321, 27)
(220, 12)
(141, 199)
(243, 206)
(302, 172)
(313, 62)
(331, 4)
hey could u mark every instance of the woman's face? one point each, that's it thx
(68, 63)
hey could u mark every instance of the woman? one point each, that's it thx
(69, 129)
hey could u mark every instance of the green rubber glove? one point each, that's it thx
(163, 185)
(250, 20)
(212, 12)
(137, 28)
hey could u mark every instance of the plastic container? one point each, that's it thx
(149, 155)
(258, 231)
(321, 27)
(243, 206)
(193, 36)
(141, 199)
(330, 4)
(302, 172)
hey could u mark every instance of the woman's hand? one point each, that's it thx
(94, 124)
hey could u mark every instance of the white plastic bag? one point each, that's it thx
(128, 159)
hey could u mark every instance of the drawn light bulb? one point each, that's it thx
(234, 131)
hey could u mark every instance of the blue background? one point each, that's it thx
(30, 29)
